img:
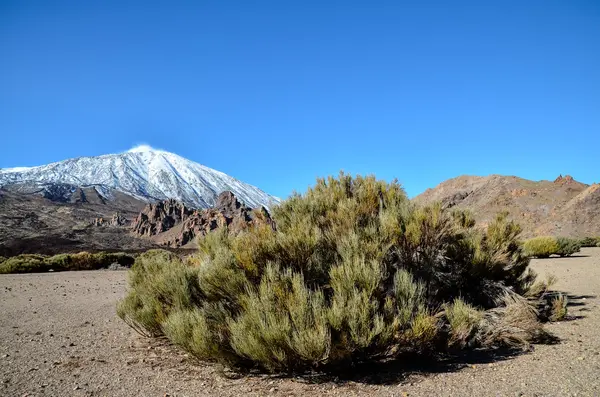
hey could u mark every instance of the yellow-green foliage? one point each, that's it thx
(464, 321)
(25, 263)
(2, 259)
(160, 283)
(541, 247)
(28, 263)
(353, 271)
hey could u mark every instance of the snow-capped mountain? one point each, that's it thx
(144, 173)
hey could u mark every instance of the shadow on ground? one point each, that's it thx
(398, 371)
(402, 369)
(578, 256)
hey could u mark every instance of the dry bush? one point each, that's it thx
(352, 272)
(559, 308)
(514, 324)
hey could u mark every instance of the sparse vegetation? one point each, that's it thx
(541, 247)
(28, 263)
(353, 272)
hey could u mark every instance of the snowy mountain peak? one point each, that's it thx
(144, 173)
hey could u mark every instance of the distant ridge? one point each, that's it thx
(563, 207)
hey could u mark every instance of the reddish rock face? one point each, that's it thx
(184, 224)
(159, 217)
(564, 179)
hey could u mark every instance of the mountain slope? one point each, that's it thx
(31, 223)
(563, 207)
(144, 173)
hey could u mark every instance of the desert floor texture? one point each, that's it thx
(60, 336)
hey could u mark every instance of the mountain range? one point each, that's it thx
(145, 198)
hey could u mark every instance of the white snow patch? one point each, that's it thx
(143, 148)
(15, 169)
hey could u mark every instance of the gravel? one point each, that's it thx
(60, 336)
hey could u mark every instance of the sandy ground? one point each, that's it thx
(60, 336)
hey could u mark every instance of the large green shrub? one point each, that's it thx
(541, 247)
(567, 246)
(352, 272)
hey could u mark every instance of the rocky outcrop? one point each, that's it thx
(173, 224)
(115, 221)
(159, 217)
(564, 180)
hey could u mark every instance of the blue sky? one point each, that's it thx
(277, 93)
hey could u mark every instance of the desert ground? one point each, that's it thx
(60, 336)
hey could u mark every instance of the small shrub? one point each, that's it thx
(2, 259)
(25, 263)
(567, 246)
(63, 262)
(559, 308)
(589, 241)
(105, 259)
(541, 247)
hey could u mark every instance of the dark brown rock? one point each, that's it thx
(116, 220)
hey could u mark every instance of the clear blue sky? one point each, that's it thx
(277, 93)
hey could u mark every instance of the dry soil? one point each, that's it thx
(60, 336)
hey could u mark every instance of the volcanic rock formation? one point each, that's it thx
(173, 224)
